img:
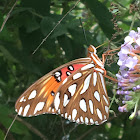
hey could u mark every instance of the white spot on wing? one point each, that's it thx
(59, 79)
(97, 96)
(105, 99)
(32, 95)
(83, 105)
(77, 75)
(68, 73)
(106, 109)
(65, 81)
(71, 68)
(57, 73)
(86, 120)
(82, 120)
(86, 84)
(66, 100)
(103, 83)
(69, 117)
(91, 121)
(96, 123)
(49, 109)
(21, 100)
(94, 78)
(74, 113)
(39, 107)
(53, 110)
(99, 114)
(88, 66)
(20, 110)
(78, 120)
(66, 115)
(91, 106)
(26, 110)
(57, 101)
(72, 89)
(58, 111)
(103, 121)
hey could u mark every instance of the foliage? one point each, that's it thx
(30, 22)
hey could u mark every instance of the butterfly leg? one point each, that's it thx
(109, 53)
(103, 60)
(111, 78)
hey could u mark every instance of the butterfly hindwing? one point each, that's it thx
(82, 98)
(39, 97)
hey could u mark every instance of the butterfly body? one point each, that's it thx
(75, 90)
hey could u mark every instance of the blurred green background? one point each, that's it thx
(30, 21)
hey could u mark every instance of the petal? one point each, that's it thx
(138, 41)
(133, 34)
(138, 30)
(120, 62)
(127, 49)
(128, 40)
(131, 62)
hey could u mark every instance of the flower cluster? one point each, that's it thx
(129, 73)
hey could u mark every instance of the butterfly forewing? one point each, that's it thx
(39, 97)
(83, 97)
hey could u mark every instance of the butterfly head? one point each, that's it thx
(92, 53)
(92, 49)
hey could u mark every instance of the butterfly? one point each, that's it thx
(76, 90)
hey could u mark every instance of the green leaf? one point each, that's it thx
(7, 54)
(102, 15)
(17, 127)
(1, 135)
(42, 7)
(47, 24)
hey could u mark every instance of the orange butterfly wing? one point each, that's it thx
(39, 97)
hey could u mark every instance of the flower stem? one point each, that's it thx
(135, 110)
(132, 24)
(114, 96)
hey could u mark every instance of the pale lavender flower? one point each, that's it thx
(129, 73)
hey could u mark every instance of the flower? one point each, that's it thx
(129, 72)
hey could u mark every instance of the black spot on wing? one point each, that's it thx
(71, 68)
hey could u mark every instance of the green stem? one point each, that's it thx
(135, 110)
(114, 96)
(132, 24)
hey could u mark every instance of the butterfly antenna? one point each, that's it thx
(101, 45)
(83, 31)
(55, 27)
(10, 127)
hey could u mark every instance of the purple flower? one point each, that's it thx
(126, 48)
(129, 73)
(131, 62)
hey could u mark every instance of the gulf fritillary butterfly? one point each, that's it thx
(76, 90)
